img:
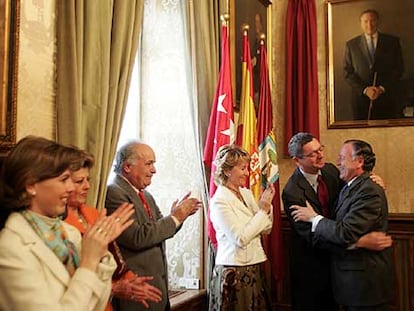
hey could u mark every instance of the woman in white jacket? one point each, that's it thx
(237, 280)
(44, 263)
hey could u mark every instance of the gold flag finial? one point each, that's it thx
(245, 28)
(262, 38)
(225, 18)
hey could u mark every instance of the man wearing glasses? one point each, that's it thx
(318, 183)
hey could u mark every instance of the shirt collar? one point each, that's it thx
(124, 178)
(351, 181)
(311, 178)
(374, 36)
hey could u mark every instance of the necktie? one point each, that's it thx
(341, 194)
(145, 203)
(371, 47)
(323, 196)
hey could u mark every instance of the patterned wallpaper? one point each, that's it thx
(36, 96)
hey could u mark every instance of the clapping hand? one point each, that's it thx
(265, 201)
(106, 229)
(185, 207)
(136, 288)
(121, 220)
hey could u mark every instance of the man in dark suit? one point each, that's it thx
(143, 244)
(362, 279)
(309, 263)
(373, 66)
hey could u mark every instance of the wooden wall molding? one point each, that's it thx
(401, 228)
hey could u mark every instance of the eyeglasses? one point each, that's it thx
(314, 153)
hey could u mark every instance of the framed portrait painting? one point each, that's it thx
(370, 68)
(9, 20)
(255, 14)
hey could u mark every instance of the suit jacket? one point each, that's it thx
(309, 263)
(238, 228)
(143, 243)
(360, 277)
(359, 71)
(32, 277)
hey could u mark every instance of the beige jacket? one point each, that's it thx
(32, 278)
(238, 228)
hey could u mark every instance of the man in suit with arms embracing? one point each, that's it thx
(362, 279)
(310, 263)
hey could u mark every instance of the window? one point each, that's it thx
(160, 112)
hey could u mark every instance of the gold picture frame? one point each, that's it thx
(342, 20)
(9, 32)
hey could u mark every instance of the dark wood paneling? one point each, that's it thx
(402, 230)
(189, 300)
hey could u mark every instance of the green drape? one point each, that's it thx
(96, 46)
(204, 43)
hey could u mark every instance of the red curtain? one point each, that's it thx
(302, 113)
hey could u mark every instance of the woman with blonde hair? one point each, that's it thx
(237, 280)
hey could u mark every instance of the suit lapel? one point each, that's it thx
(364, 49)
(309, 193)
(133, 197)
(348, 191)
(342, 196)
(128, 188)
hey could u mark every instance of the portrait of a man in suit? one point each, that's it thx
(373, 68)
(369, 63)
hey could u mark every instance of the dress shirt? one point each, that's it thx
(373, 38)
(312, 179)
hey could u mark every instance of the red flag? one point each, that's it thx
(246, 130)
(268, 165)
(221, 127)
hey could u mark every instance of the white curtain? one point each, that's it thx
(169, 102)
(167, 125)
(163, 97)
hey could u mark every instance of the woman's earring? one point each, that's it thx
(33, 193)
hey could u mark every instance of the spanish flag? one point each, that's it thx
(246, 129)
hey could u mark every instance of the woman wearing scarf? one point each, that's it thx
(44, 262)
